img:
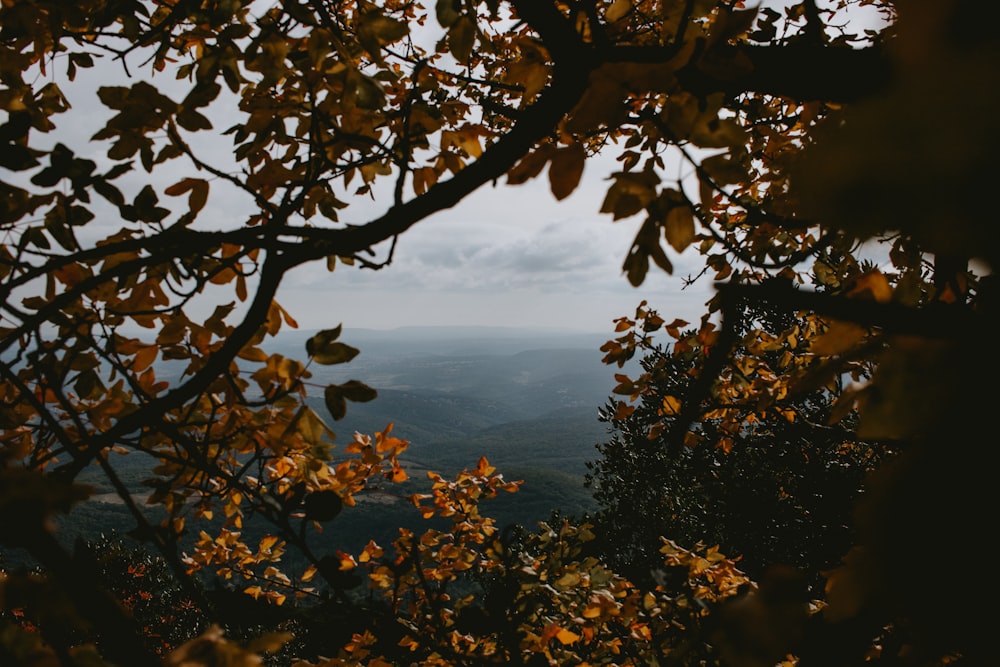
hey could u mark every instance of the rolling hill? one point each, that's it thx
(526, 400)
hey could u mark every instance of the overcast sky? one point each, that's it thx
(505, 256)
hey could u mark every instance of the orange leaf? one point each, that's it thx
(567, 637)
(566, 169)
(671, 406)
(462, 38)
(840, 337)
(875, 284)
(678, 228)
(530, 165)
(198, 187)
(143, 358)
(617, 10)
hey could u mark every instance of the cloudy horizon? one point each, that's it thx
(504, 256)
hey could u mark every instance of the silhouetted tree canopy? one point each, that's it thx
(781, 493)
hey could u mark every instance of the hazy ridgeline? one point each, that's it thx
(525, 399)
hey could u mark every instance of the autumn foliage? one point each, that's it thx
(830, 161)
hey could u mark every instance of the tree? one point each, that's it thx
(779, 491)
(799, 128)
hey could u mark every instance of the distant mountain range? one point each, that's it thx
(526, 399)
(451, 339)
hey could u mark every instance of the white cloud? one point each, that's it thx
(510, 256)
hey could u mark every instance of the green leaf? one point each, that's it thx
(368, 94)
(461, 39)
(357, 391)
(145, 207)
(337, 395)
(88, 385)
(201, 95)
(636, 266)
(448, 11)
(336, 353)
(723, 169)
(318, 343)
(376, 30)
(193, 121)
(60, 162)
(322, 505)
(335, 402)
(109, 192)
(118, 170)
(17, 158)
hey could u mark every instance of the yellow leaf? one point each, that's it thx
(423, 178)
(467, 139)
(461, 38)
(363, 92)
(603, 103)
(484, 468)
(678, 228)
(840, 337)
(875, 284)
(371, 550)
(289, 320)
(568, 580)
(636, 266)
(630, 193)
(723, 170)
(671, 406)
(531, 71)
(376, 30)
(251, 353)
(241, 287)
(530, 165)
(730, 24)
(347, 561)
(846, 402)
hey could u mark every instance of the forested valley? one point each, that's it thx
(527, 400)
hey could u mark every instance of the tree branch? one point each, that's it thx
(798, 71)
